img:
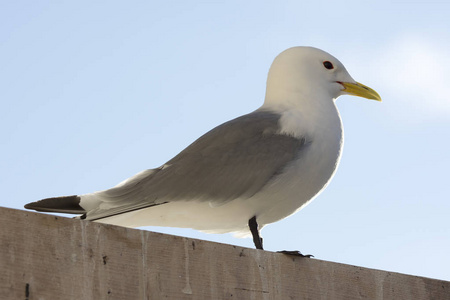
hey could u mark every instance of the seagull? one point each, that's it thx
(251, 171)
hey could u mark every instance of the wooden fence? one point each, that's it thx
(48, 257)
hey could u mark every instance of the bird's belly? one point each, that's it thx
(199, 215)
(298, 185)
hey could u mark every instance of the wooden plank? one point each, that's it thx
(48, 257)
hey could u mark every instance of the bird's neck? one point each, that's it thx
(303, 114)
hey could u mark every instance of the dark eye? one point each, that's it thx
(328, 65)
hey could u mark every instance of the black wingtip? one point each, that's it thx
(66, 204)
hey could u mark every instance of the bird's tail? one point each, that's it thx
(66, 204)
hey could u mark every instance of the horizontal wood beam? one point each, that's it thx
(49, 257)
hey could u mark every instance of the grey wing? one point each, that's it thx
(235, 159)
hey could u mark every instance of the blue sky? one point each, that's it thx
(93, 92)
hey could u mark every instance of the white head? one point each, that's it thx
(300, 75)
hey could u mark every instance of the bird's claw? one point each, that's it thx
(295, 253)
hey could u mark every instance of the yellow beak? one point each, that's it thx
(360, 90)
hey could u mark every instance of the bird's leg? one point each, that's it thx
(253, 225)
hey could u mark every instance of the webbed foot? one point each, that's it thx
(295, 253)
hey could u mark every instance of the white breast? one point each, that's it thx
(304, 179)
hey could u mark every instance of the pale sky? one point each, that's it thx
(93, 93)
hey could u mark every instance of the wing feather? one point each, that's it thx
(233, 160)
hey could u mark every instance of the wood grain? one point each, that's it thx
(48, 257)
